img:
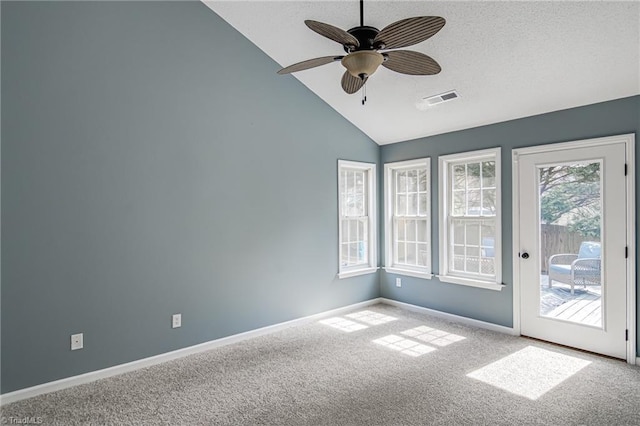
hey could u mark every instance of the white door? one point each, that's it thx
(572, 217)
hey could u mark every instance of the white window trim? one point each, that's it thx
(372, 209)
(389, 195)
(443, 200)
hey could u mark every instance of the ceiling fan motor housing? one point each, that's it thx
(365, 36)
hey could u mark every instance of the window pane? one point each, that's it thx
(489, 202)
(360, 182)
(401, 183)
(401, 208)
(401, 256)
(356, 253)
(458, 233)
(351, 181)
(345, 254)
(473, 234)
(412, 204)
(489, 174)
(422, 204)
(353, 231)
(488, 240)
(411, 254)
(473, 175)
(472, 264)
(422, 181)
(362, 251)
(458, 258)
(487, 266)
(411, 230)
(422, 254)
(400, 233)
(360, 205)
(459, 203)
(345, 231)
(459, 176)
(412, 181)
(362, 230)
(473, 202)
(422, 230)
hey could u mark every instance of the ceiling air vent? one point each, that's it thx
(425, 102)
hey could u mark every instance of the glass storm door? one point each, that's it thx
(572, 216)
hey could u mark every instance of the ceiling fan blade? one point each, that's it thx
(407, 32)
(410, 62)
(351, 84)
(333, 33)
(309, 63)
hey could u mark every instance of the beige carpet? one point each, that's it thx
(376, 366)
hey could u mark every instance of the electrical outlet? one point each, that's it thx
(176, 320)
(398, 282)
(77, 341)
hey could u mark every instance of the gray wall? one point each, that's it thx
(598, 120)
(152, 163)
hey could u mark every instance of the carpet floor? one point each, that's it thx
(381, 365)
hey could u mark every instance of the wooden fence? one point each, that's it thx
(556, 239)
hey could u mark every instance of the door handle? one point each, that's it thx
(524, 255)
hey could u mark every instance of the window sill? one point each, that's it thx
(408, 273)
(355, 273)
(471, 282)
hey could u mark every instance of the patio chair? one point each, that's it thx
(577, 269)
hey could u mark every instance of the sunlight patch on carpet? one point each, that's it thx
(405, 346)
(345, 325)
(530, 372)
(371, 318)
(433, 335)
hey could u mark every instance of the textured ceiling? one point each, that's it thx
(506, 60)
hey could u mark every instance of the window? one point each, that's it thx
(470, 226)
(408, 218)
(357, 222)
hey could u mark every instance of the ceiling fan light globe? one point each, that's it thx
(362, 62)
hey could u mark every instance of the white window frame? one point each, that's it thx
(390, 187)
(444, 199)
(372, 242)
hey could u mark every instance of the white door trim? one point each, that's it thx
(629, 141)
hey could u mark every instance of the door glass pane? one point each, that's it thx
(571, 279)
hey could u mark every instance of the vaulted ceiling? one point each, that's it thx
(506, 60)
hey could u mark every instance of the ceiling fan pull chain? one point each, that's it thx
(364, 93)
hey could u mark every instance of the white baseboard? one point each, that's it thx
(451, 317)
(91, 376)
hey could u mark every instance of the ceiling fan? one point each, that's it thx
(367, 49)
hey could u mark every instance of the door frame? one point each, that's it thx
(629, 141)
